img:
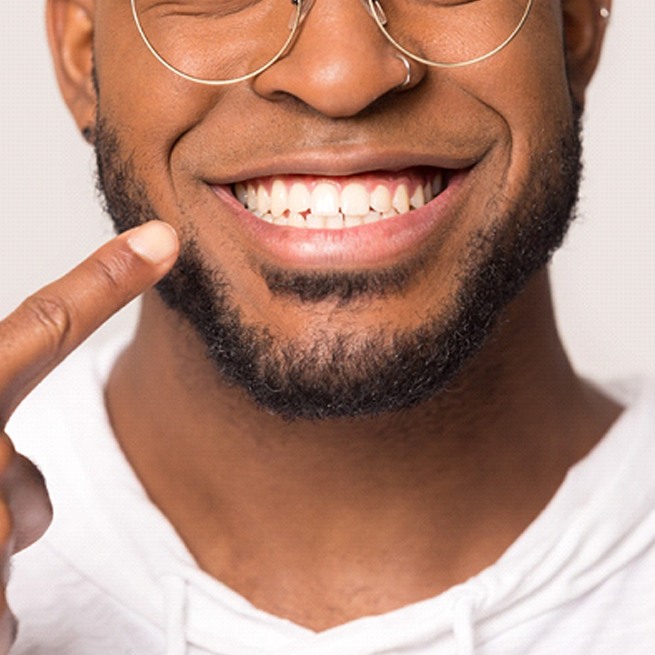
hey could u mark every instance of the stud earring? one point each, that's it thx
(88, 133)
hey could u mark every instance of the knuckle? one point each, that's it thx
(31, 505)
(25, 507)
(49, 314)
(113, 271)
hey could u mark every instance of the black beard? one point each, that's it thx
(358, 373)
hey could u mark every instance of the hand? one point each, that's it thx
(38, 336)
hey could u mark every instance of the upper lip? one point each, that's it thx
(341, 162)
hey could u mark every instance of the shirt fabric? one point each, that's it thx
(112, 576)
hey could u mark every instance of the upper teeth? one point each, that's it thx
(324, 203)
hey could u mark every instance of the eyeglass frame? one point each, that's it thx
(303, 7)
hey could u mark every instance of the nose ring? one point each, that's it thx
(408, 69)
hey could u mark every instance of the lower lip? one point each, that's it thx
(373, 244)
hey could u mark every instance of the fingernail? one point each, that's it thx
(155, 241)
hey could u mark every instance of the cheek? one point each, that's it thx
(535, 107)
(148, 106)
(149, 110)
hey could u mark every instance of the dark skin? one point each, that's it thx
(333, 520)
(39, 335)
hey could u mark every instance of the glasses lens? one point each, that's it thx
(451, 31)
(216, 39)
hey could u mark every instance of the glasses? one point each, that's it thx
(219, 42)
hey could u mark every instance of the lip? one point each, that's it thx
(337, 161)
(364, 246)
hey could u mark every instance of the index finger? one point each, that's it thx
(54, 321)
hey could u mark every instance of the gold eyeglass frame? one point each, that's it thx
(372, 7)
(377, 13)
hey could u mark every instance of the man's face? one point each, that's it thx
(359, 320)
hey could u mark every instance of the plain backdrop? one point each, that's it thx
(604, 276)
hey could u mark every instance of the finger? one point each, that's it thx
(55, 320)
(23, 492)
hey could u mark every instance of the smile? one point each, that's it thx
(357, 220)
(334, 203)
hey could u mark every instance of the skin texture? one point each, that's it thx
(328, 520)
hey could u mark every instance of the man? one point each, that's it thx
(345, 423)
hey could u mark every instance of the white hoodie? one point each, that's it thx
(112, 577)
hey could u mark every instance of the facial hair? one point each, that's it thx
(358, 373)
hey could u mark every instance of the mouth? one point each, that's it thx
(335, 203)
(356, 221)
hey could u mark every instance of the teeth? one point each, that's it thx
(241, 193)
(352, 221)
(325, 200)
(299, 198)
(355, 200)
(263, 199)
(315, 222)
(381, 199)
(427, 192)
(252, 197)
(334, 222)
(437, 185)
(400, 200)
(278, 198)
(324, 204)
(297, 220)
(418, 198)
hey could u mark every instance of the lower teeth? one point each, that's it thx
(316, 222)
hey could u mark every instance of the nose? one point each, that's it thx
(339, 64)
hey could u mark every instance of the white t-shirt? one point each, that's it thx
(112, 577)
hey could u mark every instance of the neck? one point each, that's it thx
(322, 522)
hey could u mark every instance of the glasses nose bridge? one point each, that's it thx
(375, 11)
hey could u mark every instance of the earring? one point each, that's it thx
(88, 133)
(605, 13)
(408, 68)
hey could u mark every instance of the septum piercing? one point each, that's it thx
(604, 13)
(408, 68)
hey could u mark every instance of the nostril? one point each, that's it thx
(339, 64)
(340, 85)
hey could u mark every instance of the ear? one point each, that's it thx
(70, 34)
(585, 22)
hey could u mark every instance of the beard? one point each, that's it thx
(358, 373)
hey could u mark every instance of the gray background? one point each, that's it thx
(604, 276)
